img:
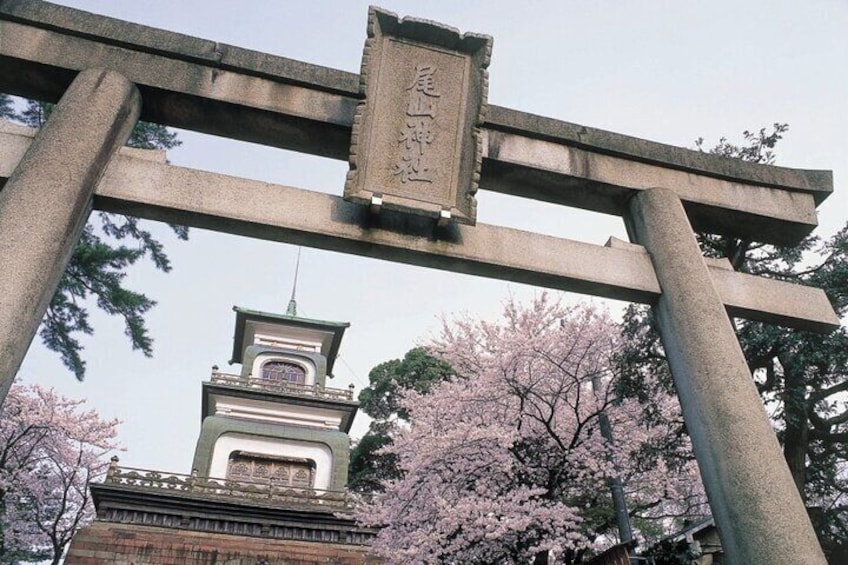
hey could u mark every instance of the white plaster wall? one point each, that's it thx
(230, 442)
(276, 412)
(287, 342)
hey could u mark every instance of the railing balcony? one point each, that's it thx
(282, 386)
(269, 491)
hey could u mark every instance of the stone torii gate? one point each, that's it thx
(421, 139)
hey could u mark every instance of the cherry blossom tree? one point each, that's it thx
(50, 448)
(418, 371)
(506, 463)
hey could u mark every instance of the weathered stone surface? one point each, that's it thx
(223, 90)
(46, 201)
(240, 206)
(761, 299)
(142, 183)
(568, 175)
(416, 143)
(210, 97)
(818, 183)
(773, 301)
(760, 516)
(179, 46)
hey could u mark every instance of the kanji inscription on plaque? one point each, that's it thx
(416, 143)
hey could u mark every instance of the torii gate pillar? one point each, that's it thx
(757, 509)
(46, 202)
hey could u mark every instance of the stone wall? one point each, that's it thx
(105, 543)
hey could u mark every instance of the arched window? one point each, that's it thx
(284, 372)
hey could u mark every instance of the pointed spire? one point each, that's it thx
(292, 309)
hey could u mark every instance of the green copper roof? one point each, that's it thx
(333, 330)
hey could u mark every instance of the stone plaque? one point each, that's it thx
(416, 143)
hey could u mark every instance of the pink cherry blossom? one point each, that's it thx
(50, 448)
(507, 461)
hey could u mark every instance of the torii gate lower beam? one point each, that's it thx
(142, 183)
(46, 202)
(757, 509)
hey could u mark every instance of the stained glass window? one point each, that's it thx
(284, 372)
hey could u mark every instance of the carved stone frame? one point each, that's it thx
(387, 133)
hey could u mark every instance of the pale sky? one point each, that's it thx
(668, 71)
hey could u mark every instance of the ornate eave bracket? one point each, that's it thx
(416, 144)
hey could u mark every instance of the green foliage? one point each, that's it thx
(368, 467)
(146, 135)
(757, 148)
(745, 255)
(98, 265)
(802, 376)
(7, 108)
(418, 371)
(20, 556)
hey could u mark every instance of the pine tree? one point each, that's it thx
(418, 371)
(108, 245)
